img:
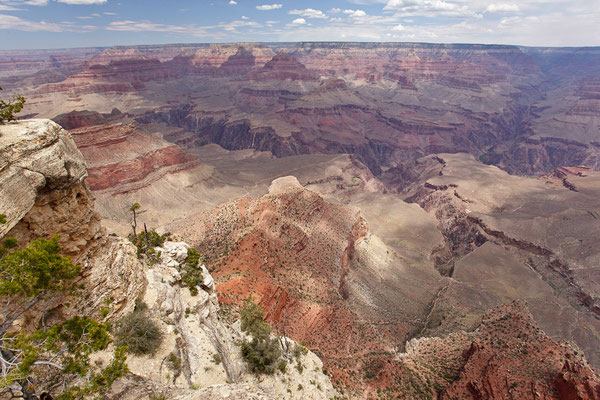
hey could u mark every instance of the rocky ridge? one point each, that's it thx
(44, 192)
(332, 292)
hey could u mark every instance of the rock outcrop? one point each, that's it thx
(43, 192)
(508, 356)
(206, 346)
(319, 273)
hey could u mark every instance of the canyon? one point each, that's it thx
(424, 217)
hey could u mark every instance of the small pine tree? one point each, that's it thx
(262, 352)
(10, 108)
(58, 354)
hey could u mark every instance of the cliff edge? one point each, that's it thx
(43, 192)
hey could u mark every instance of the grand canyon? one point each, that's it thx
(424, 218)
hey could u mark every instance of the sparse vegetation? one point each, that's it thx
(138, 332)
(282, 366)
(262, 352)
(146, 241)
(58, 352)
(8, 109)
(191, 274)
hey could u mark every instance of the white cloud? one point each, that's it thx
(232, 2)
(355, 13)
(233, 25)
(80, 2)
(431, 8)
(335, 10)
(244, 17)
(141, 26)
(399, 27)
(309, 13)
(299, 21)
(36, 2)
(266, 7)
(20, 24)
(4, 7)
(502, 8)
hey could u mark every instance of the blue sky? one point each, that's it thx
(79, 23)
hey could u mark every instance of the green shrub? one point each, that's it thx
(31, 278)
(282, 366)
(261, 355)
(10, 108)
(262, 352)
(139, 332)
(193, 257)
(190, 273)
(146, 242)
(175, 362)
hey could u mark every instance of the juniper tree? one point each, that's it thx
(55, 356)
(8, 109)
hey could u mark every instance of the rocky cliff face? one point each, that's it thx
(43, 192)
(324, 277)
(525, 227)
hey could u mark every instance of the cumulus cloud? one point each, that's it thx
(355, 13)
(232, 2)
(266, 7)
(309, 13)
(299, 21)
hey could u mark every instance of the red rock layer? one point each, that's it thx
(117, 155)
(120, 76)
(292, 252)
(511, 358)
(240, 63)
(111, 176)
(284, 66)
